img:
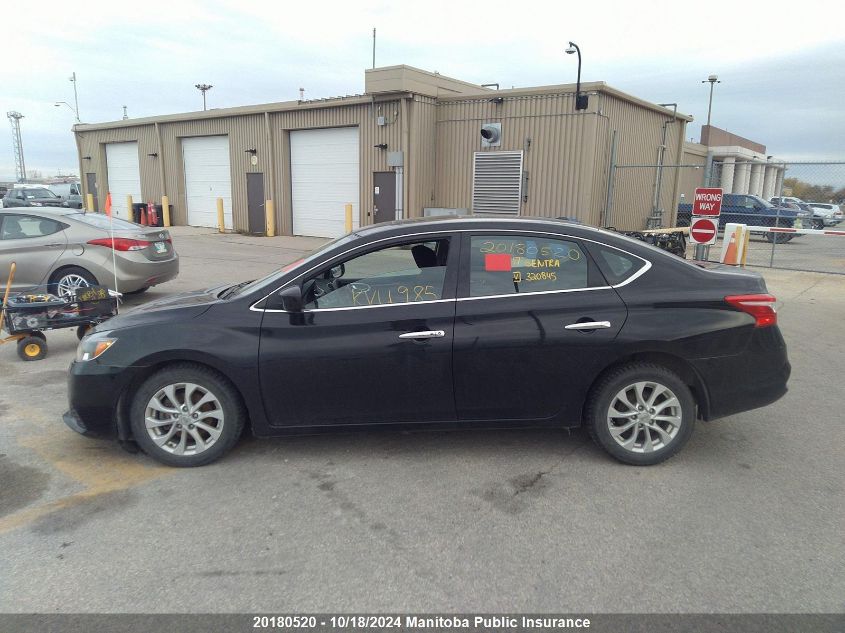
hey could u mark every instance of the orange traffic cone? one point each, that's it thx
(143, 216)
(730, 253)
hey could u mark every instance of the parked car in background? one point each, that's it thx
(754, 211)
(464, 322)
(826, 214)
(777, 200)
(64, 249)
(69, 192)
(31, 197)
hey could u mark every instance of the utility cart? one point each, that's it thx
(27, 315)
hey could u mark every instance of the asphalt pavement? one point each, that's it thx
(748, 518)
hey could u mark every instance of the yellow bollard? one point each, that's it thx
(349, 218)
(129, 207)
(271, 218)
(89, 202)
(745, 246)
(221, 218)
(165, 210)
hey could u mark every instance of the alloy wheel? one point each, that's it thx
(69, 284)
(184, 418)
(644, 417)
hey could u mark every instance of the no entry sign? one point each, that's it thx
(703, 231)
(708, 201)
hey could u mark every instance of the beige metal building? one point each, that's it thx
(411, 145)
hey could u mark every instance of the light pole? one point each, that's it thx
(203, 88)
(75, 112)
(712, 79)
(580, 100)
(75, 96)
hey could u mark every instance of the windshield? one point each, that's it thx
(29, 194)
(102, 221)
(277, 274)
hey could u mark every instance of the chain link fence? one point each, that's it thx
(796, 207)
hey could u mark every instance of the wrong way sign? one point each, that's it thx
(703, 230)
(707, 201)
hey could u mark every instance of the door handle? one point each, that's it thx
(54, 244)
(425, 334)
(588, 325)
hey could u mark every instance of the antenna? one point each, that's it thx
(20, 165)
(125, 116)
(302, 94)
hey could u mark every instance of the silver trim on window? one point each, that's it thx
(630, 279)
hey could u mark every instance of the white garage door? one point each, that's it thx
(207, 177)
(124, 177)
(324, 179)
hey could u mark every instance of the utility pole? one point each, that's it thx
(20, 165)
(374, 47)
(75, 96)
(125, 116)
(203, 88)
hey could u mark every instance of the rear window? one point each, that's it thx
(102, 221)
(615, 265)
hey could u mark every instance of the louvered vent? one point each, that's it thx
(497, 182)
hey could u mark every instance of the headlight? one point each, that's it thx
(94, 346)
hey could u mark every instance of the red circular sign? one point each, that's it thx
(703, 231)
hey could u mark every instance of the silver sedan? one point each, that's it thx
(63, 249)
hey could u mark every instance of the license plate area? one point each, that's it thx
(160, 247)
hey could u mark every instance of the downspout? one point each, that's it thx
(404, 212)
(161, 163)
(656, 216)
(82, 179)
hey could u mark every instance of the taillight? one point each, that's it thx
(121, 243)
(761, 307)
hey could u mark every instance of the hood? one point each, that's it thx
(187, 305)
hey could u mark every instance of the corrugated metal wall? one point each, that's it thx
(639, 132)
(691, 177)
(422, 156)
(560, 148)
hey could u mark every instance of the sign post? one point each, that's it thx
(706, 209)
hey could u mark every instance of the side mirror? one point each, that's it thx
(291, 299)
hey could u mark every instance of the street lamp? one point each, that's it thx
(580, 100)
(712, 79)
(203, 88)
(75, 112)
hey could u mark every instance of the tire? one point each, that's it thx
(219, 429)
(654, 378)
(67, 280)
(82, 330)
(32, 347)
(818, 225)
(778, 238)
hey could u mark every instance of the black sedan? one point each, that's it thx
(450, 322)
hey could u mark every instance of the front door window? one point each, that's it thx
(406, 273)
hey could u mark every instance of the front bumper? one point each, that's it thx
(94, 392)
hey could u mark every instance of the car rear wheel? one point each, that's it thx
(68, 280)
(641, 413)
(186, 415)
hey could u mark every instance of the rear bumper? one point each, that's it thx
(133, 275)
(755, 378)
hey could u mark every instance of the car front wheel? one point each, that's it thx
(186, 415)
(641, 413)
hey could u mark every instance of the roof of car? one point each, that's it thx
(456, 223)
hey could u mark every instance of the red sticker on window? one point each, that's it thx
(497, 262)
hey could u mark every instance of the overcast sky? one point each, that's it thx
(782, 69)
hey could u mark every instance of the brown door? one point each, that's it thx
(384, 196)
(91, 182)
(255, 203)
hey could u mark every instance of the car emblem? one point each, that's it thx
(161, 235)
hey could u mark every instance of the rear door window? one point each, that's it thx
(18, 227)
(510, 264)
